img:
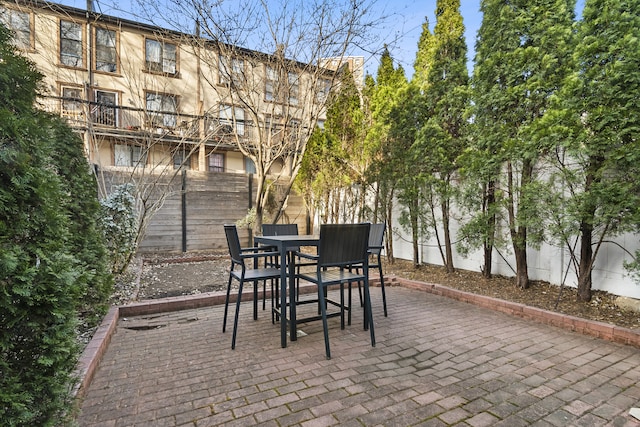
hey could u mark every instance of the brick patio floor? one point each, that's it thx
(437, 362)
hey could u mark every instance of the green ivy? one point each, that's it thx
(120, 224)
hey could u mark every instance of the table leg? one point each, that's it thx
(293, 298)
(283, 295)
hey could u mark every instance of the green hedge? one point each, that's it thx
(52, 259)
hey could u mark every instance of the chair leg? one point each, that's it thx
(325, 326)
(273, 314)
(384, 296)
(255, 299)
(368, 313)
(226, 306)
(275, 301)
(360, 289)
(264, 294)
(235, 320)
(341, 305)
(349, 298)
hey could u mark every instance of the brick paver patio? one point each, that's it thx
(437, 362)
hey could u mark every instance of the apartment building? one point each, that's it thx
(145, 96)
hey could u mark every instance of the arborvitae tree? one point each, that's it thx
(335, 157)
(82, 207)
(596, 119)
(424, 58)
(405, 166)
(345, 122)
(522, 57)
(385, 133)
(443, 137)
(47, 263)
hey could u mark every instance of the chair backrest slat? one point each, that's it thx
(280, 229)
(376, 237)
(231, 232)
(343, 244)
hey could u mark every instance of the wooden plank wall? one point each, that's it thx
(210, 201)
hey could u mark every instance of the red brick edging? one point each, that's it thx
(601, 330)
(90, 358)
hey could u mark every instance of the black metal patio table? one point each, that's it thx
(284, 244)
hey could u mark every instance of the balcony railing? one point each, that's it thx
(133, 122)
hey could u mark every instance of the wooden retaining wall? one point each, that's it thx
(197, 205)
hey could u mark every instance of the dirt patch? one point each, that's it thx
(174, 277)
(191, 274)
(540, 294)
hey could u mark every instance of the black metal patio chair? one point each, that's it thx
(376, 244)
(341, 246)
(238, 257)
(287, 230)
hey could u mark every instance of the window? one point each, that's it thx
(181, 159)
(129, 155)
(216, 162)
(71, 44)
(71, 104)
(162, 110)
(104, 109)
(271, 84)
(232, 117)
(20, 24)
(322, 91)
(106, 53)
(274, 126)
(230, 71)
(293, 129)
(275, 92)
(294, 88)
(160, 57)
(249, 166)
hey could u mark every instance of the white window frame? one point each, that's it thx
(230, 71)
(71, 42)
(271, 84)
(162, 109)
(323, 88)
(161, 57)
(216, 162)
(294, 87)
(71, 104)
(293, 130)
(181, 159)
(15, 20)
(126, 155)
(105, 113)
(106, 50)
(234, 117)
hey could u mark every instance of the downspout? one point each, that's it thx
(250, 206)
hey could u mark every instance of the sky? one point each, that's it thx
(401, 31)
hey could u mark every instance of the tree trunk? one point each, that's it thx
(389, 221)
(522, 270)
(519, 232)
(444, 206)
(490, 199)
(584, 268)
(413, 212)
(260, 197)
(586, 233)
